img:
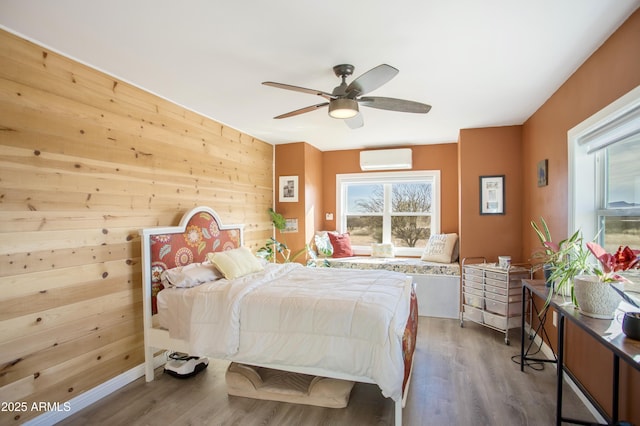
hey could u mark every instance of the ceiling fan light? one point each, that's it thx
(343, 108)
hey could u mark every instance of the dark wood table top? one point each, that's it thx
(607, 332)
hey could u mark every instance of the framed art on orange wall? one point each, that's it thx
(492, 194)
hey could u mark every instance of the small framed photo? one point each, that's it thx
(543, 176)
(291, 226)
(492, 194)
(288, 189)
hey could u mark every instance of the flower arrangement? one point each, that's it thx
(624, 259)
(571, 258)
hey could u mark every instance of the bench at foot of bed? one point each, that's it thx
(275, 385)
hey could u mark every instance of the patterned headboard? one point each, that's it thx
(199, 232)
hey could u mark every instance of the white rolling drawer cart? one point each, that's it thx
(491, 295)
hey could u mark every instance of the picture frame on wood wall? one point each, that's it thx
(492, 195)
(288, 189)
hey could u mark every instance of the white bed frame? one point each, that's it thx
(157, 339)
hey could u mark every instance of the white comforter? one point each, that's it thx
(338, 320)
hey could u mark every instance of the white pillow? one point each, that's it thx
(382, 250)
(190, 275)
(235, 263)
(441, 248)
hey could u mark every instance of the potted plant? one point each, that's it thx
(555, 258)
(547, 254)
(570, 260)
(596, 296)
(274, 247)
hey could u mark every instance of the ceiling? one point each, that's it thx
(478, 63)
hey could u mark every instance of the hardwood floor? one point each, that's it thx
(461, 376)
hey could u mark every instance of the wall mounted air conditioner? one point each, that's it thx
(386, 159)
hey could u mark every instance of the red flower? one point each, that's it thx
(622, 260)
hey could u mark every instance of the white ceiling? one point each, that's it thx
(478, 63)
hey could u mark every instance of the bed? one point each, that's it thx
(343, 324)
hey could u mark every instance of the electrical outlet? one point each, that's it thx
(555, 319)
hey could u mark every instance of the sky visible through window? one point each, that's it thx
(360, 192)
(624, 173)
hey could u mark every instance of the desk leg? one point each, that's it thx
(522, 332)
(560, 369)
(616, 388)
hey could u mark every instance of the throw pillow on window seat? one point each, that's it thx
(323, 244)
(341, 244)
(441, 248)
(382, 250)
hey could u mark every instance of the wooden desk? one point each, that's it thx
(606, 332)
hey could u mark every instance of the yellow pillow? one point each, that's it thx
(235, 263)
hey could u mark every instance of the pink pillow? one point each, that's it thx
(341, 244)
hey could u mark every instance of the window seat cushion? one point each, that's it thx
(407, 265)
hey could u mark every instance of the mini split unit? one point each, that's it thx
(386, 159)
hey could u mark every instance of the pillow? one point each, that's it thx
(323, 244)
(441, 248)
(235, 263)
(190, 275)
(341, 244)
(382, 250)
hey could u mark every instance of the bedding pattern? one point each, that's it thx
(346, 321)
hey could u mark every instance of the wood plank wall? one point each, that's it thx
(85, 162)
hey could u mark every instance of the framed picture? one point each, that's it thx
(543, 177)
(492, 194)
(288, 189)
(291, 226)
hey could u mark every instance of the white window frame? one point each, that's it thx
(414, 175)
(586, 141)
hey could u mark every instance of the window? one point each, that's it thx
(618, 174)
(604, 176)
(400, 208)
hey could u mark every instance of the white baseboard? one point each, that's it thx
(93, 395)
(548, 352)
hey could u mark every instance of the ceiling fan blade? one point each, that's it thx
(325, 95)
(393, 104)
(371, 80)
(302, 110)
(355, 122)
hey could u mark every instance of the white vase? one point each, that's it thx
(595, 299)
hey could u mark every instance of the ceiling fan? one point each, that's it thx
(343, 101)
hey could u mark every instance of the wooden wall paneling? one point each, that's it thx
(29, 354)
(86, 161)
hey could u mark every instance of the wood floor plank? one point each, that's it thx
(461, 376)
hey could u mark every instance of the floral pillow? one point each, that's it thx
(323, 244)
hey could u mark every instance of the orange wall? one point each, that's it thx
(612, 71)
(441, 157)
(305, 161)
(487, 152)
(314, 186)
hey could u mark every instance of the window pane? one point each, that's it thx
(411, 197)
(410, 231)
(364, 230)
(621, 231)
(365, 198)
(623, 180)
